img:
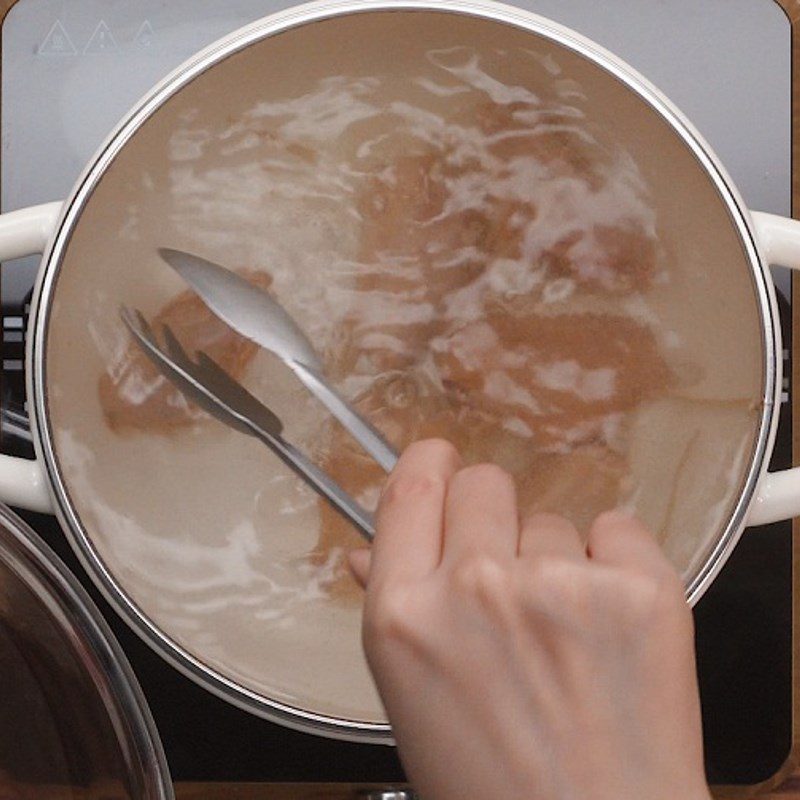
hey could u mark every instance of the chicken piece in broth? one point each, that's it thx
(473, 318)
(135, 397)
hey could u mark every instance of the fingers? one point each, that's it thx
(480, 514)
(550, 534)
(410, 518)
(432, 510)
(618, 539)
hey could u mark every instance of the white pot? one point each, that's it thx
(47, 484)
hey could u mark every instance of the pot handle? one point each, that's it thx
(23, 482)
(778, 494)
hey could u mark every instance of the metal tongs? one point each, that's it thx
(255, 314)
(208, 385)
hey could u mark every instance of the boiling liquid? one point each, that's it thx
(479, 246)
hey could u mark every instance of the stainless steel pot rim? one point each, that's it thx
(24, 552)
(239, 40)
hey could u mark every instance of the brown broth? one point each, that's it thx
(486, 238)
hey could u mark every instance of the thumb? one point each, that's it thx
(359, 561)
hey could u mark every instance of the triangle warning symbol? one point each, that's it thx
(102, 40)
(57, 42)
(144, 37)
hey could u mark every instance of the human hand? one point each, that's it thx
(515, 662)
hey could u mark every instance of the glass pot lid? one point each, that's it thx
(73, 722)
(487, 236)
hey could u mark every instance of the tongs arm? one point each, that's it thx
(210, 387)
(322, 484)
(366, 434)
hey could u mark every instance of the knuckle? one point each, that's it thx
(480, 577)
(649, 602)
(409, 487)
(632, 603)
(559, 587)
(475, 571)
(551, 574)
(390, 618)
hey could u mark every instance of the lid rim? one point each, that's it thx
(43, 573)
(208, 677)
